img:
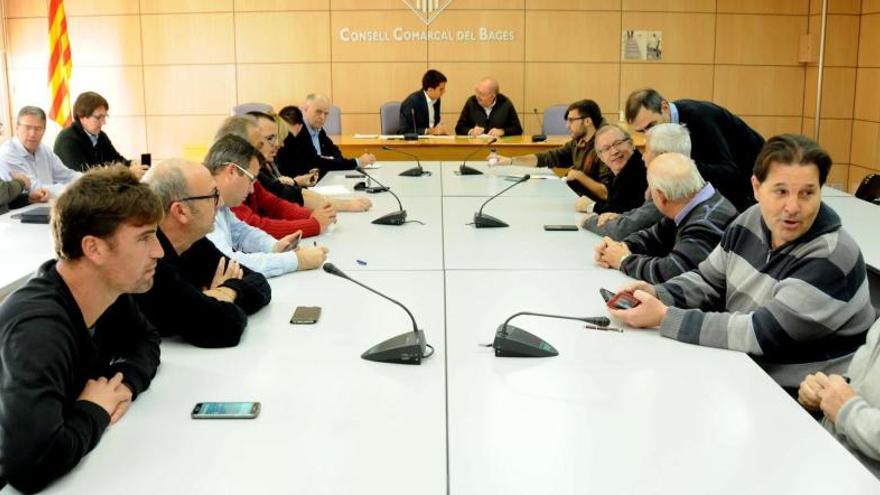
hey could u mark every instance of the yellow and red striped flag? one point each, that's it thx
(59, 64)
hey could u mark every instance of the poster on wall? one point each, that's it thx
(642, 45)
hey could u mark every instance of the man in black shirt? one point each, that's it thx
(74, 348)
(615, 148)
(488, 112)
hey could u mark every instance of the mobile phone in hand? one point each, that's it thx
(621, 300)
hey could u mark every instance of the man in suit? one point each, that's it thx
(724, 147)
(488, 112)
(422, 108)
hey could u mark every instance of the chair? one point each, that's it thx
(389, 117)
(244, 108)
(553, 123)
(333, 124)
(869, 189)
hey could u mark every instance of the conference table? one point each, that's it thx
(615, 412)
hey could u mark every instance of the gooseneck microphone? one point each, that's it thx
(512, 341)
(416, 171)
(537, 138)
(407, 348)
(466, 170)
(484, 221)
(394, 218)
(414, 135)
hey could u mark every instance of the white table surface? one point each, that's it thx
(388, 174)
(622, 413)
(23, 247)
(495, 179)
(862, 220)
(831, 191)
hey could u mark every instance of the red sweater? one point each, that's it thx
(276, 216)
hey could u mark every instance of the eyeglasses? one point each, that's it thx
(251, 177)
(572, 121)
(215, 196)
(615, 145)
(271, 139)
(100, 117)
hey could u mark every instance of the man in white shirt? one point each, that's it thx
(26, 153)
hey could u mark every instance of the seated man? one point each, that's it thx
(587, 176)
(312, 149)
(488, 112)
(26, 153)
(14, 192)
(199, 293)
(695, 216)
(615, 148)
(248, 245)
(84, 144)
(786, 284)
(851, 403)
(75, 351)
(420, 111)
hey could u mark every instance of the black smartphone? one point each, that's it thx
(305, 315)
(560, 228)
(226, 410)
(146, 159)
(354, 176)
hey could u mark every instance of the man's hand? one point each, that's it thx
(613, 253)
(583, 204)
(309, 179)
(834, 396)
(137, 169)
(606, 217)
(287, 181)
(122, 407)
(496, 132)
(226, 271)
(20, 177)
(40, 195)
(325, 215)
(639, 285)
(310, 258)
(108, 394)
(808, 392)
(354, 204)
(574, 174)
(438, 130)
(476, 131)
(648, 314)
(599, 252)
(366, 159)
(222, 294)
(288, 242)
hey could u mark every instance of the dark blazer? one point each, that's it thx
(724, 148)
(502, 116)
(416, 104)
(75, 149)
(298, 155)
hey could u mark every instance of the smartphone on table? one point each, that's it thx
(305, 315)
(226, 410)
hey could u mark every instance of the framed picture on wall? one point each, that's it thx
(641, 45)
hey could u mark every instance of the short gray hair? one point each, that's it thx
(315, 97)
(669, 138)
(237, 125)
(676, 176)
(33, 112)
(230, 149)
(612, 127)
(168, 182)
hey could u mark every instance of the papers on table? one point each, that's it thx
(518, 171)
(333, 190)
(397, 136)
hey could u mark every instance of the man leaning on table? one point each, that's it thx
(488, 112)
(420, 111)
(787, 284)
(75, 351)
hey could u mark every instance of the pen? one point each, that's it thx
(604, 329)
(361, 262)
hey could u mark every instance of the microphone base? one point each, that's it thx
(468, 170)
(483, 221)
(406, 348)
(395, 218)
(516, 342)
(362, 186)
(413, 172)
(538, 138)
(410, 136)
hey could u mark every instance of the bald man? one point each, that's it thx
(488, 112)
(695, 216)
(312, 149)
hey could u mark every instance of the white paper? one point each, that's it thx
(332, 190)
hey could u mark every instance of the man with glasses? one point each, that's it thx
(488, 112)
(587, 176)
(233, 162)
(198, 293)
(724, 146)
(615, 148)
(25, 153)
(84, 144)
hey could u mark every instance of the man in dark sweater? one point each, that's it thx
(615, 148)
(695, 216)
(75, 351)
(199, 293)
(723, 146)
(488, 112)
(420, 111)
(84, 144)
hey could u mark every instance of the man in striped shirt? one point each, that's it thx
(786, 284)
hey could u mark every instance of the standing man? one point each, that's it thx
(75, 351)
(488, 112)
(420, 111)
(724, 146)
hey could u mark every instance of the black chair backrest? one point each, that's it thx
(869, 189)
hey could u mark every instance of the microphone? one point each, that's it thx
(394, 218)
(537, 138)
(511, 341)
(416, 171)
(466, 170)
(407, 348)
(484, 221)
(414, 135)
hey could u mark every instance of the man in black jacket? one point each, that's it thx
(311, 148)
(724, 147)
(488, 112)
(75, 351)
(422, 108)
(199, 293)
(84, 144)
(615, 148)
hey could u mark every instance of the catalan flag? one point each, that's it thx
(59, 64)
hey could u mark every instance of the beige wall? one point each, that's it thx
(172, 69)
(865, 150)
